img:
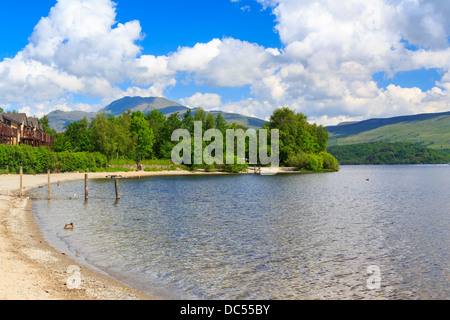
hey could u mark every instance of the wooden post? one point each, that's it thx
(21, 181)
(48, 185)
(86, 189)
(117, 189)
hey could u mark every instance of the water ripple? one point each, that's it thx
(254, 237)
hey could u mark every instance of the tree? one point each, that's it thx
(79, 136)
(209, 122)
(172, 123)
(188, 121)
(220, 123)
(157, 121)
(200, 115)
(121, 131)
(143, 135)
(302, 144)
(103, 137)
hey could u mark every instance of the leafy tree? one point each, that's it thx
(188, 121)
(79, 135)
(157, 121)
(210, 122)
(143, 135)
(220, 123)
(103, 138)
(45, 124)
(120, 127)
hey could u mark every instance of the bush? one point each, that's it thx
(33, 160)
(329, 161)
(298, 160)
(314, 162)
(235, 168)
(80, 161)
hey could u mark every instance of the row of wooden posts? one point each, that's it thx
(86, 186)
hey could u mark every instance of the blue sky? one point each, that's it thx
(161, 21)
(333, 62)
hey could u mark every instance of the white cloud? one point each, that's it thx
(207, 101)
(331, 49)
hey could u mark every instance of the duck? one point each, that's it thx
(69, 226)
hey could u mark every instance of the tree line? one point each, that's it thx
(136, 137)
(388, 153)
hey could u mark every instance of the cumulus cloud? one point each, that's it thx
(207, 101)
(330, 52)
(74, 50)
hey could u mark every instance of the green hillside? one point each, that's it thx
(427, 130)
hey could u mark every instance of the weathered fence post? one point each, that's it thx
(48, 185)
(21, 181)
(86, 189)
(117, 189)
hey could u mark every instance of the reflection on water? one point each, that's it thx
(310, 236)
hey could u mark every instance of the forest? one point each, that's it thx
(134, 138)
(388, 153)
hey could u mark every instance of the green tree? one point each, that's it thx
(188, 121)
(79, 136)
(121, 131)
(157, 121)
(210, 122)
(45, 124)
(220, 123)
(103, 138)
(200, 115)
(143, 135)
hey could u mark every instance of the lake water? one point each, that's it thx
(291, 236)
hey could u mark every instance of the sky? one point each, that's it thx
(332, 60)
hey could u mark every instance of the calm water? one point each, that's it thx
(310, 236)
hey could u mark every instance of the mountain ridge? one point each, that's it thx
(58, 120)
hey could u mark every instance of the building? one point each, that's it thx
(17, 129)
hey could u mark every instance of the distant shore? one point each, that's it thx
(31, 268)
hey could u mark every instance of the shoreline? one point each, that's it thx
(34, 270)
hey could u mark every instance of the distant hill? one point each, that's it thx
(58, 120)
(428, 130)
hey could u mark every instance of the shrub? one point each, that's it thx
(235, 168)
(314, 162)
(329, 161)
(33, 160)
(298, 160)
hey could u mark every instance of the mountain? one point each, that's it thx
(145, 105)
(431, 130)
(58, 120)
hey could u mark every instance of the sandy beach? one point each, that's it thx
(30, 269)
